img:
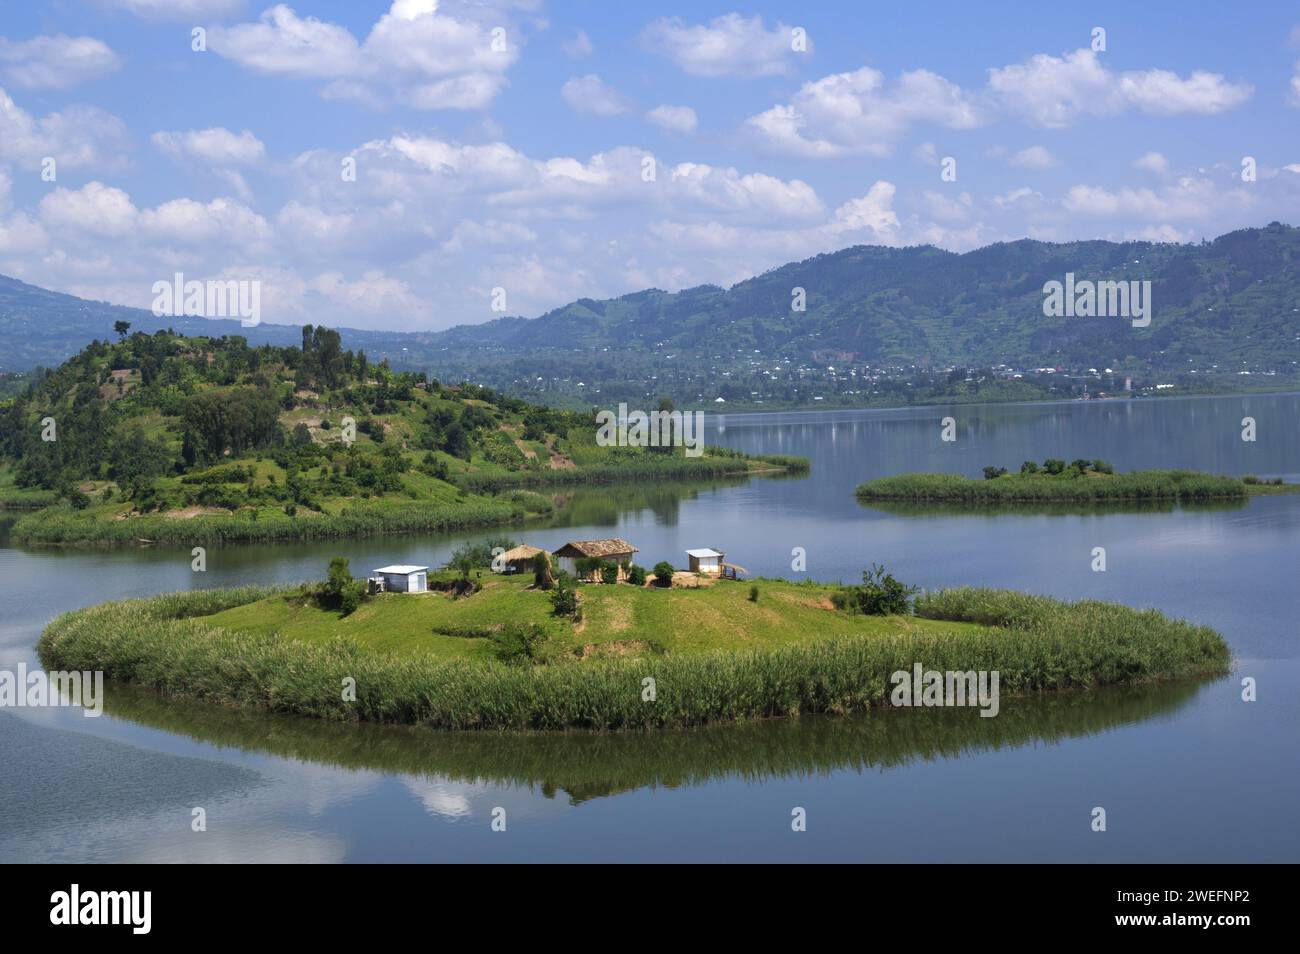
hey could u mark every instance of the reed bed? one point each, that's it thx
(717, 462)
(1035, 643)
(1175, 485)
(12, 499)
(68, 526)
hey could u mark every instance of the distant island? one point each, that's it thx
(162, 438)
(1078, 481)
(611, 646)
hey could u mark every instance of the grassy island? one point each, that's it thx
(1057, 482)
(501, 655)
(187, 440)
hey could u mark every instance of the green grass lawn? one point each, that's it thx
(617, 619)
(721, 616)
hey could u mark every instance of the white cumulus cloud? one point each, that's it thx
(425, 58)
(1033, 157)
(679, 119)
(94, 208)
(729, 45)
(591, 94)
(1152, 162)
(1054, 91)
(76, 137)
(860, 113)
(55, 62)
(217, 146)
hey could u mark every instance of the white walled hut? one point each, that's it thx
(705, 560)
(401, 579)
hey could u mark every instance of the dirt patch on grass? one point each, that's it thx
(617, 616)
(686, 580)
(615, 648)
(559, 461)
(189, 513)
(812, 601)
(124, 379)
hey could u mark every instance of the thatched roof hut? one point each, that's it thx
(520, 558)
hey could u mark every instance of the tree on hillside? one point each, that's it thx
(121, 327)
(136, 455)
(340, 590)
(306, 373)
(235, 420)
(456, 441)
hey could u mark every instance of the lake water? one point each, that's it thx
(1185, 771)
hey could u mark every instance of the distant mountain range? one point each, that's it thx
(1233, 303)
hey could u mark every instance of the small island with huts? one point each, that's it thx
(508, 635)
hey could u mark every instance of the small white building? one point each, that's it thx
(706, 560)
(403, 579)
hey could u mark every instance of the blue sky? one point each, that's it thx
(521, 164)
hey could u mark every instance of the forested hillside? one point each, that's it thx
(152, 436)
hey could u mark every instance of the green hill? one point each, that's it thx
(164, 438)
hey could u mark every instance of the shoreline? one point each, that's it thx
(1043, 402)
(56, 527)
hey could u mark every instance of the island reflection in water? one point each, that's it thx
(585, 765)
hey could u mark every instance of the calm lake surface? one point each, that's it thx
(1185, 771)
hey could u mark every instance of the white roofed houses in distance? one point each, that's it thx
(401, 568)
